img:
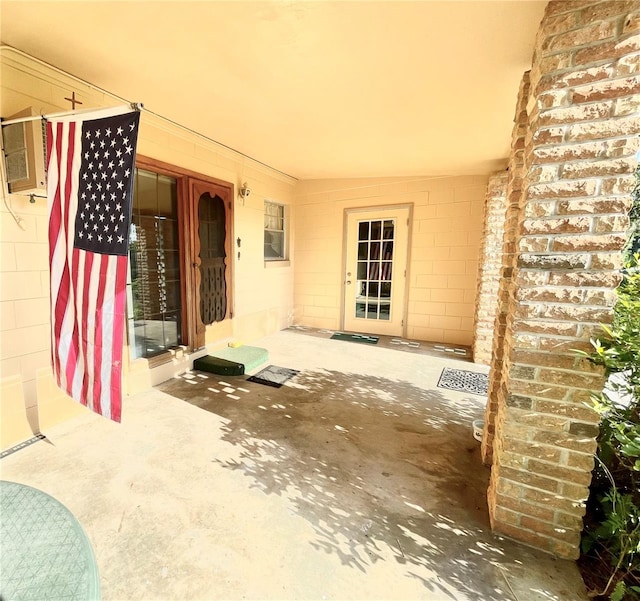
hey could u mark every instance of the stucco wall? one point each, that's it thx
(445, 231)
(262, 293)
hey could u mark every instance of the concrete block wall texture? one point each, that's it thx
(579, 157)
(263, 293)
(446, 232)
(490, 267)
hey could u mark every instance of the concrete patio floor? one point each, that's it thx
(358, 479)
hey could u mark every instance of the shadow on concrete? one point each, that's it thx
(382, 470)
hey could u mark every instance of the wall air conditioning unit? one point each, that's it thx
(24, 154)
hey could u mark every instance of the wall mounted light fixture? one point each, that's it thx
(244, 191)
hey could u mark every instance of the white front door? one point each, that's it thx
(375, 270)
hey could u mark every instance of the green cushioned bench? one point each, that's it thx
(232, 361)
(215, 365)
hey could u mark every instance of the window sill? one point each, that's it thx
(277, 263)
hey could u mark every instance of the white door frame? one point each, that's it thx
(343, 266)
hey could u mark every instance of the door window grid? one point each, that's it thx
(274, 231)
(374, 269)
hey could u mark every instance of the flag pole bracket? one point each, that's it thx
(135, 106)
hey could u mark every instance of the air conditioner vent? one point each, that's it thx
(24, 150)
(15, 150)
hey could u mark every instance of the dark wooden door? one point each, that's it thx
(211, 259)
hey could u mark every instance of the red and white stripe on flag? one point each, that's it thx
(91, 162)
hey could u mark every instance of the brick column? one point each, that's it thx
(579, 164)
(513, 208)
(490, 265)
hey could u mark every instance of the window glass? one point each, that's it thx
(274, 232)
(374, 269)
(153, 286)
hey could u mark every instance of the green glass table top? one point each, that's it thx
(45, 553)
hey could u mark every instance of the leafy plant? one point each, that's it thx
(611, 542)
(613, 531)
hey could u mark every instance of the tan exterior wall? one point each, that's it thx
(445, 236)
(262, 292)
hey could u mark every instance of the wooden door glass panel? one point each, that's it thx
(154, 284)
(212, 234)
(374, 269)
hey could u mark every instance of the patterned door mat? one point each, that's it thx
(464, 381)
(355, 338)
(273, 376)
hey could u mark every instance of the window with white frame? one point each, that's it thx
(275, 227)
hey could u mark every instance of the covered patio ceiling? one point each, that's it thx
(314, 89)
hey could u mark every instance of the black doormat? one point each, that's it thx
(273, 376)
(464, 381)
(355, 338)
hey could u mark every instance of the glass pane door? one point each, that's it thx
(153, 288)
(376, 240)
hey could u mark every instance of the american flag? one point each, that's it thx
(91, 163)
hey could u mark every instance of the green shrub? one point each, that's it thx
(611, 540)
(612, 526)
